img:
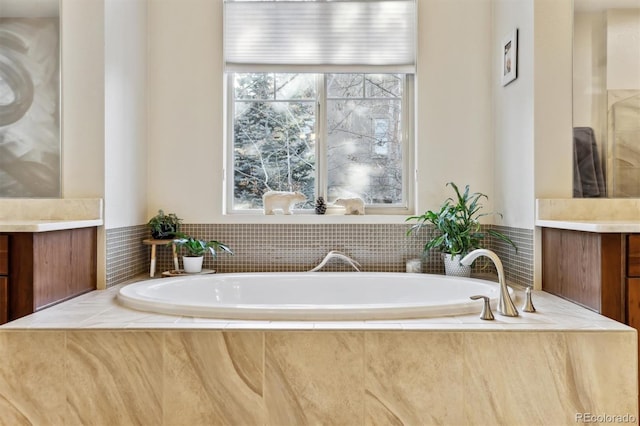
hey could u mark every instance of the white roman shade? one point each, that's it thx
(320, 36)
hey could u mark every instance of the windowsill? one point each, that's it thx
(333, 219)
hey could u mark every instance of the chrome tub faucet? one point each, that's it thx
(505, 304)
(338, 255)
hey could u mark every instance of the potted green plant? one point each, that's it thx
(164, 226)
(458, 226)
(196, 249)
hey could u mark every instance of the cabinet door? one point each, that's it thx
(4, 300)
(586, 268)
(51, 267)
(4, 254)
(66, 265)
(633, 302)
(84, 261)
(633, 305)
(633, 255)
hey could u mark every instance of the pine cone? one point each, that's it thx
(321, 206)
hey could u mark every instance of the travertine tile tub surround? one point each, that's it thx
(91, 361)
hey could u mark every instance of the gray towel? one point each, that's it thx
(588, 178)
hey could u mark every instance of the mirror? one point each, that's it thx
(30, 98)
(606, 98)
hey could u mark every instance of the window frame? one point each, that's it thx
(321, 182)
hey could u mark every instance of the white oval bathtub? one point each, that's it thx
(309, 295)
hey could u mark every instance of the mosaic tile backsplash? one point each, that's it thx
(300, 247)
(126, 255)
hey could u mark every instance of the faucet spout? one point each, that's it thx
(339, 255)
(505, 304)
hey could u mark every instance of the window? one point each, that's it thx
(335, 135)
(320, 100)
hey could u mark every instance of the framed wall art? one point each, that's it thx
(509, 53)
(30, 99)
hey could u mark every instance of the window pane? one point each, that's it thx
(383, 85)
(295, 86)
(274, 142)
(254, 86)
(345, 85)
(365, 150)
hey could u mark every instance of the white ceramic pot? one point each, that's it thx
(192, 265)
(453, 267)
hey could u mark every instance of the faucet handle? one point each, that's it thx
(486, 313)
(528, 305)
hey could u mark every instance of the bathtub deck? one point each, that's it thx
(100, 310)
(92, 361)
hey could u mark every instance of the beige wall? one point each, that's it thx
(104, 105)
(454, 129)
(82, 98)
(125, 71)
(185, 108)
(553, 154)
(513, 115)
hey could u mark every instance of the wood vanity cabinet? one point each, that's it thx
(586, 268)
(598, 271)
(45, 268)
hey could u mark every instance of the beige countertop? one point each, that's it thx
(602, 215)
(52, 214)
(600, 226)
(45, 225)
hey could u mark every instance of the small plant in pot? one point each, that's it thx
(195, 250)
(164, 226)
(458, 226)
